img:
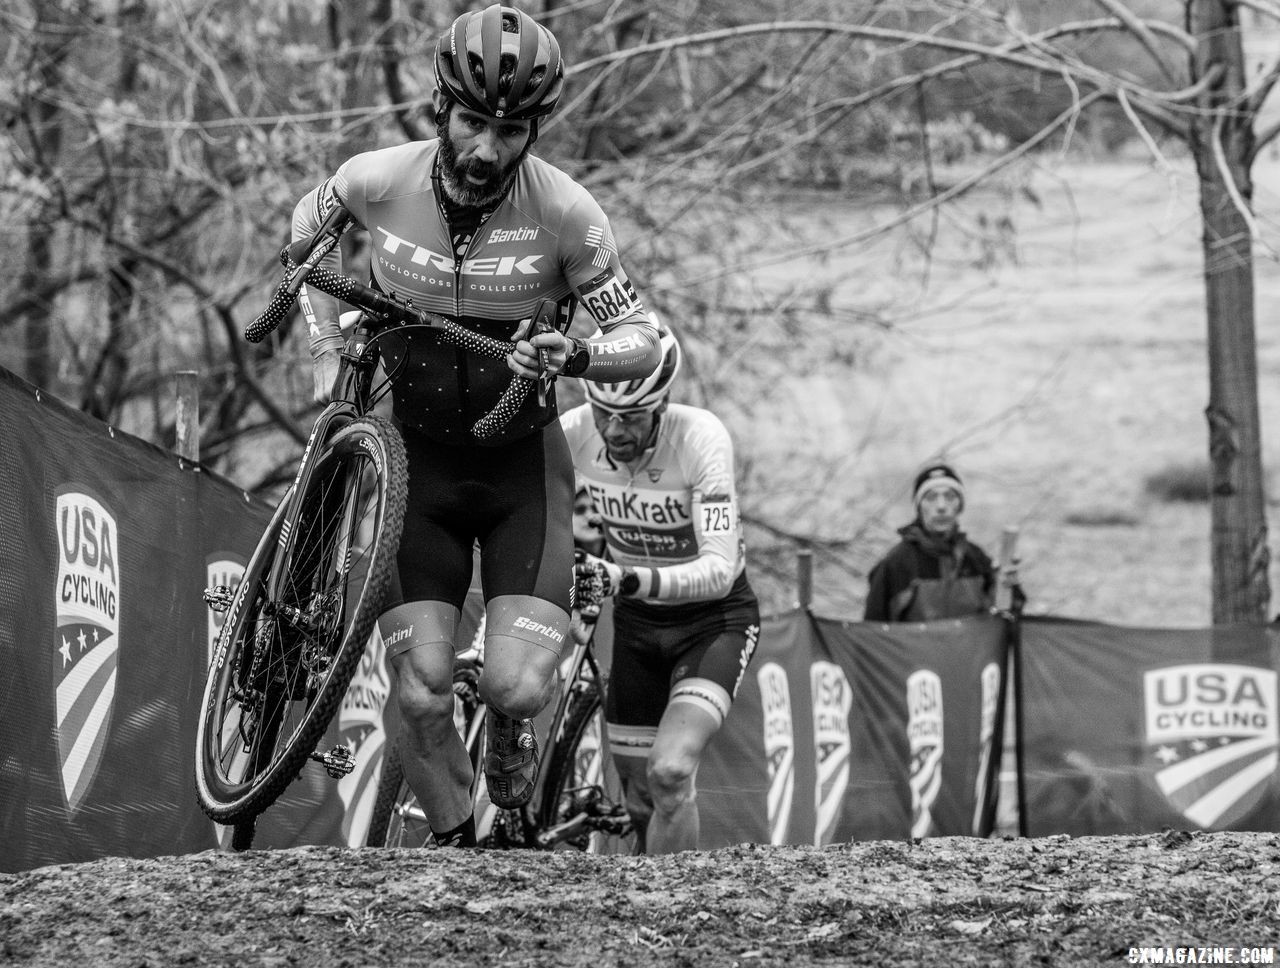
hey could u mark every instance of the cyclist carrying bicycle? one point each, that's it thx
(471, 226)
(686, 621)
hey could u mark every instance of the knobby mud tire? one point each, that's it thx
(369, 445)
(389, 796)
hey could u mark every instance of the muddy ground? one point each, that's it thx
(946, 901)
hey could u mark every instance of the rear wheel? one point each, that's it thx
(583, 784)
(298, 622)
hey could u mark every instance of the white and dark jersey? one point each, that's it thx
(675, 510)
(547, 238)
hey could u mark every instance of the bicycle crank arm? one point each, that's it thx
(575, 825)
(338, 762)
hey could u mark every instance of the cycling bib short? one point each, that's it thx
(517, 500)
(655, 647)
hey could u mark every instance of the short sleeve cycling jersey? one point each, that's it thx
(547, 238)
(674, 511)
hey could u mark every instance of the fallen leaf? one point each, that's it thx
(970, 927)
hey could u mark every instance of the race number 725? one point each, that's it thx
(717, 518)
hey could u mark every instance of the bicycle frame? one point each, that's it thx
(352, 398)
(581, 659)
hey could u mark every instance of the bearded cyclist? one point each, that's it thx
(686, 622)
(470, 225)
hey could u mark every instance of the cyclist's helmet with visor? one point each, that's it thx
(646, 393)
(501, 63)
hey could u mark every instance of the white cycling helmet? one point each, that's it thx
(646, 393)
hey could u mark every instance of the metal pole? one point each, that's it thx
(187, 415)
(804, 577)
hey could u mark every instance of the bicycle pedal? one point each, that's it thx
(218, 598)
(338, 762)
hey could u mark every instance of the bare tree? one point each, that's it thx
(154, 151)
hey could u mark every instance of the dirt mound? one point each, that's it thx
(952, 901)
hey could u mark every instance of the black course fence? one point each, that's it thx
(841, 730)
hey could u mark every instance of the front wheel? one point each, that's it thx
(583, 798)
(298, 622)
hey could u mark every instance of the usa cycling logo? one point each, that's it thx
(986, 739)
(832, 745)
(779, 748)
(1212, 738)
(86, 643)
(924, 738)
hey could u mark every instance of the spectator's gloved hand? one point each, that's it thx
(1008, 581)
(588, 568)
(1009, 573)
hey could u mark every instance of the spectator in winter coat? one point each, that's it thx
(935, 571)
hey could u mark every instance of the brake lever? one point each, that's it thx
(544, 317)
(306, 254)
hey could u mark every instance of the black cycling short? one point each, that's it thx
(515, 499)
(656, 646)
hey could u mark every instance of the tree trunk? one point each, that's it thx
(45, 118)
(1222, 141)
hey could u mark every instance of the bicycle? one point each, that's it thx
(297, 624)
(578, 800)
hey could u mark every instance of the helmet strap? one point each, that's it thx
(442, 116)
(657, 425)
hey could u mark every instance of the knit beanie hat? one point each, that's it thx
(936, 475)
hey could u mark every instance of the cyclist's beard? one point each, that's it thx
(464, 192)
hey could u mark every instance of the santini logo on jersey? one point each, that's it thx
(506, 265)
(525, 233)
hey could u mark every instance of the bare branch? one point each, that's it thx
(1140, 31)
(1268, 8)
(1233, 190)
(1144, 134)
(955, 191)
(1007, 54)
(1265, 137)
(390, 57)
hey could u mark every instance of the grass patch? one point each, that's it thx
(1101, 518)
(1185, 483)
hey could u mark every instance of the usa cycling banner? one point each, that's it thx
(103, 634)
(857, 731)
(1130, 730)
